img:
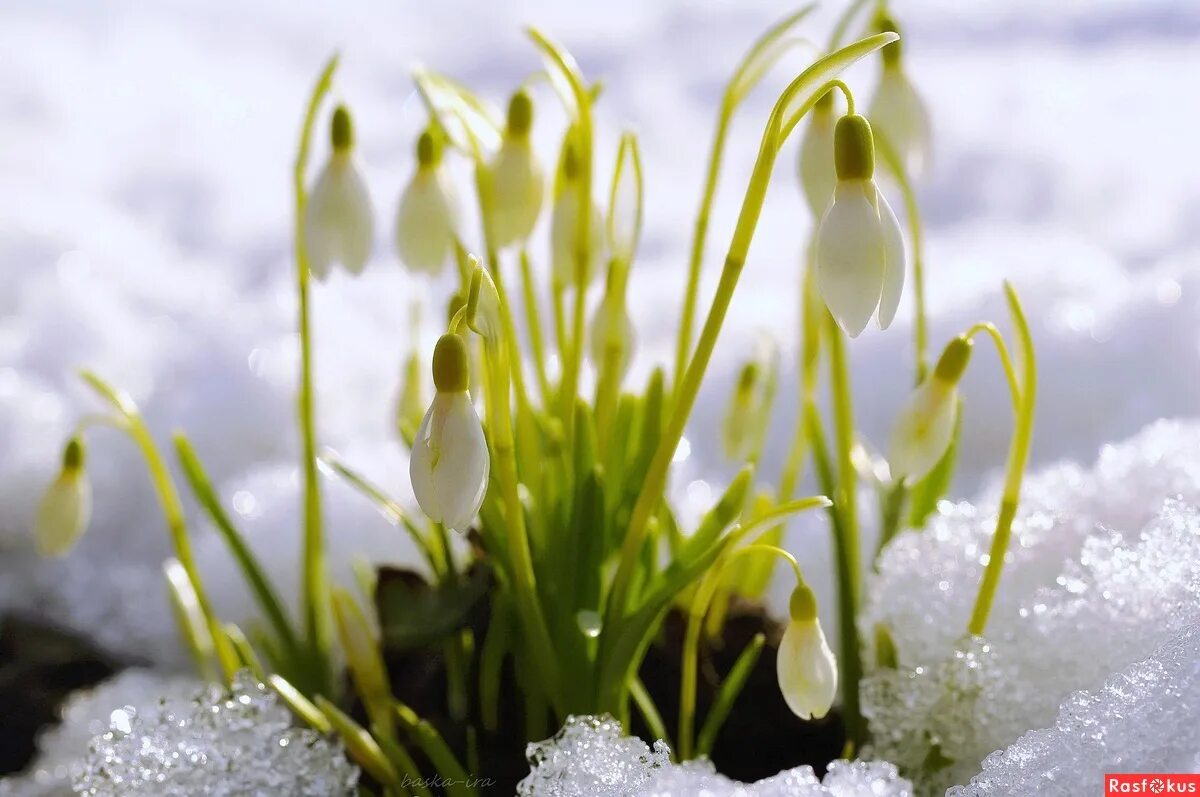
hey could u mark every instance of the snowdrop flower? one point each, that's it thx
(427, 219)
(517, 181)
(898, 112)
(817, 175)
(564, 223)
(66, 507)
(739, 418)
(925, 426)
(860, 252)
(339, 223)
(806, 667)
(611, 331)
(449, 463)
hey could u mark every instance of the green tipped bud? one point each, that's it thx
(891, 52)
(520, 114)
(803, 604)
(341, 130)
(429, 149)
(73, 455)
(954, 359)
(853, 148)
(451, 374)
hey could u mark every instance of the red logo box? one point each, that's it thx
(1150, 783)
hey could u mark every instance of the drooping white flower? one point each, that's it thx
(860, 251)
(898, 112)
(516, 180)
(565, 223)
(611, 333)
(925, 426)
(427, 218)
(817, 175)
(66, 506)
(449, 463)
(339, 223)
(806, 667)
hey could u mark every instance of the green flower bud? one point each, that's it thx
(853, 148)
(451, 372)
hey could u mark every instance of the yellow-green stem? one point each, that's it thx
(846, 547)
(691, 640)
(533, 622)
(1018, 456)
(685, 396)
(172, 508)
(315, 594)
(683, 344)
(912, 214)
(534, 321)
(608, 386)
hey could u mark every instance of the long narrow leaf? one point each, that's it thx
(727, 695)
(256, 577)
(457, 782)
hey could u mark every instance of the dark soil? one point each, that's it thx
(760, 738)
(39, 666)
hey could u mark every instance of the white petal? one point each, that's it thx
(608, 333)
(899, 114)
(426, 222)
(564, 227)
(339, 224)
(895, 262)
(63, 514)
(449, 463)
(818, 176)
(923, 430)
(850, 257)
(806, 669)
(518, 186)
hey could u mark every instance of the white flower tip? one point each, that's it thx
(806, 669)
(449, 463)
(63, 514)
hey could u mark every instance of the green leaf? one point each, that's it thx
(472, 126)
(413, 614)
(727, 509)
(435, 748)
(260, 585)
(727, 695)
(762, 55)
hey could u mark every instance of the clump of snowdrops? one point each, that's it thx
(562, 491)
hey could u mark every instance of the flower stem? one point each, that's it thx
(846, 541)
(172, 508)
(685, 395)
(315, 595)
(534, 322)
(1018, 457)
(912, 213)
(683, 344)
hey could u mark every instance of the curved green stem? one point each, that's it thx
(655, 481)
(691, 640)
(912, 214)
(582, 113)
(172, 508)
(315, 595)
(753, 65)
(1010, 373)
(1018, 456)
(846, 540)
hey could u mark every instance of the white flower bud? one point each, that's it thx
(66, 506)
(427, 218)
(860, 250)
(516, 179)
(817, 175)
(611, 332)
(925, 426)
(449, 463)
(899, 113)
(564, 231)
(339, 223)
(625, 203)
(806, 667)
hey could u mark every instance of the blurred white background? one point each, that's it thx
(145, 155)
